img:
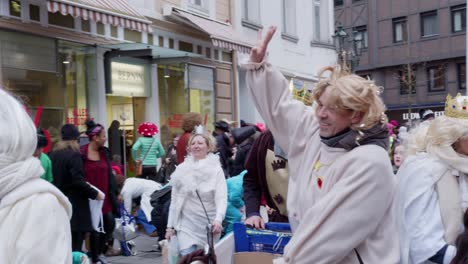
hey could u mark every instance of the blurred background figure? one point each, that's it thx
(45, 160)
(223, 145)
(115, 138)
(169, 162)
(189, 121)
(146, 151)
(35, 215)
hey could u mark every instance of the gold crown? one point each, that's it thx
(301, 92)
(456, 107)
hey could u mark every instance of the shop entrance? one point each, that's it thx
(124, 114)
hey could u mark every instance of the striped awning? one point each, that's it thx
(114, 12)
(222, 35)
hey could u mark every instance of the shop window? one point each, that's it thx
(34, 13)
(436, 78)
(185, 46)
(461, 74)
(15, 8)
(132, 35)
(458, 18)
(61, 20)
(208, 53)
(429, 26)
(400, 33)
(100, 28)
(85, 25)
(184, 88)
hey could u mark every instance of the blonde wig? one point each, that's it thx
(209, 139)
(352, 92)
(443, 131)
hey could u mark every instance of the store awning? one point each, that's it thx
(154, 51)
(114, 12)
(222, 35)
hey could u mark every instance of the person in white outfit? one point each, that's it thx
(433, 187)
(197, 184)
(35, 215)
(137, 187)
(341, 185)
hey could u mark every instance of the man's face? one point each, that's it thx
(331, 119)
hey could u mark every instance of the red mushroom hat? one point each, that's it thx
(148, 129)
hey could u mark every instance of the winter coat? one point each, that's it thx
(150, 156)
(35, 225)
(67, 167)
(113, 191)
(47, 166)
(225, 153)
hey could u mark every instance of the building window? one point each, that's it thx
(436, 78)
(357, 1)
(34, 13)
(461, 68)
(185, 46)
(317, 20)
(15, 8)
(458, 18)
(289, 20)
(60, 20)
(429, 25)
(361, 32)
(199, 6)
(132, 35)
(407, 83)
(338, 3)
(251, 13)
(400, 33)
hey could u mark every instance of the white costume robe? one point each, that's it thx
(186, 214)
(353, 210)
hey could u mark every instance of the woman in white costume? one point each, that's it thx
(433, 187)
(200, 176)
(35, 215)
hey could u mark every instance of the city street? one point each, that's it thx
(147, 252)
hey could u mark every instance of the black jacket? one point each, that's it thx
(68, 172)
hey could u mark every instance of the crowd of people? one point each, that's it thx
(354, 187)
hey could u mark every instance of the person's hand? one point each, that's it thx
(100, 196)
(120, 198)
(258, 52)
(169, 233)
(255, 221)
(216, 227)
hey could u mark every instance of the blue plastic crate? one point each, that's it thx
(271, 240)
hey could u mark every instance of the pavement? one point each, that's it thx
(146, 252)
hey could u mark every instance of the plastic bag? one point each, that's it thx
(173, 250)
(124, 229)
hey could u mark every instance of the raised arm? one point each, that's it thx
(283, 115)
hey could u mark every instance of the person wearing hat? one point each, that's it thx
(68, 171)
(433, 188)
(426, 114)
(45, 160)
(149, 148)
(34, 214)
(223, 145)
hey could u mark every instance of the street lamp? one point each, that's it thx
(348, 59)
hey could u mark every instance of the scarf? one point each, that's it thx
(14, 173)
(349, 139)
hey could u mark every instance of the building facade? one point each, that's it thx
(301, 46)
(414, 49)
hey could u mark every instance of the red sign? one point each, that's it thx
(175, 121)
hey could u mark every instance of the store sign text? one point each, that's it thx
(416, 115)
(129, 79)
